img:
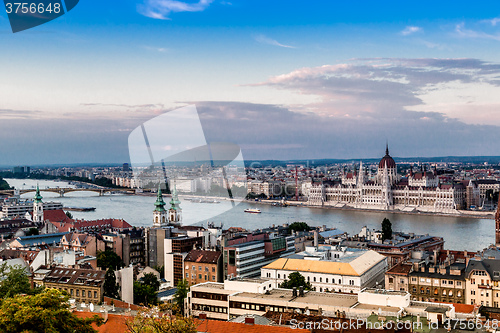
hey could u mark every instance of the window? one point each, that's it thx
(213, 277)
(326, 280)
(187, 275)
(71, 292)
(320, 279)
(89, 294)
(95, 294)
(206, 269)
(279, 276)
(391, 280)
(77, 293)
(314, 279)
(199, 276)
(199, 268)
(213, 269)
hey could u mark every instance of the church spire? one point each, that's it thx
(38, 196)
(159, 204)
(387, 148)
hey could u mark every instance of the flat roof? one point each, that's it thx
(311, 297)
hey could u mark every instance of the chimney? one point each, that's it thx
(301, 291)
(315, 238)
(202, 316)
(294, 292)
(249, 320)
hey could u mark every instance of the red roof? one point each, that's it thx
(215, 326)
(56, 215)
(114, 324)
(83, 225)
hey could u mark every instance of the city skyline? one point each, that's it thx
(294, 81)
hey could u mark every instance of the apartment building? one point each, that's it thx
(245, 255)
(176, 249)
(482, 282)
(83, 285)
(202, 266)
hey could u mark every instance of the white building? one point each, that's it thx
(348, 274)
(387, 191)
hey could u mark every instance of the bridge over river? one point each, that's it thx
(63, 190)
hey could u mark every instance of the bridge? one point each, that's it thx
(63, 190)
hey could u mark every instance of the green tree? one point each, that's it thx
(110, 286)
(296, 280)
(14, 281)
(45, 312)
(161, 270)
(69, 215)
(144, 294)
(150, 279)
(181, 294)
(4, 185)
(32, 231)
(154, 321)
(298, 226)
(386, 229)
(108, 259)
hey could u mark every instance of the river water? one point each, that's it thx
(459, 233)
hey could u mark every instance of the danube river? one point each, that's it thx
(459, 233)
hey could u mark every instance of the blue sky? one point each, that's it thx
(322, 79)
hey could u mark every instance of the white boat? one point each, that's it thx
(252, 210)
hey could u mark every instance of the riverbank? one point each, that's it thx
(460, 213)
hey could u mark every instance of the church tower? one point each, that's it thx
(175, 211)
(37, 206)
(497, 225)
(159, 214)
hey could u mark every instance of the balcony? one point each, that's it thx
(484, 286)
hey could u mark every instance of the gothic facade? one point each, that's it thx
(420, 191)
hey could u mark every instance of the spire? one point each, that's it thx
(387, 148)
(159, 204)
(174, 202)
(38, 197)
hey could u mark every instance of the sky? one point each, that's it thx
(283, 80)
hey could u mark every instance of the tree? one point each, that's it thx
(144, 294)
(146, 290)
(386, 229)
(69, 215)
(15, 281)
(296, 280)
(110, 286)
(298, 226)
(32, 231)
(181, 294)
(161, 270)
(4, 185)
(108, 259)
(45, 312)
(154, 321)
(150, 279)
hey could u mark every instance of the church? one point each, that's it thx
(387, 190)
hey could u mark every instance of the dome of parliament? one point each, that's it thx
(387, 159)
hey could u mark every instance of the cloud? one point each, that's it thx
(18, 114)
(267, 131)
(410, 30)
(161, 9)
(266, 40)
(493, 22)
(468, 33)
(387, 88)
